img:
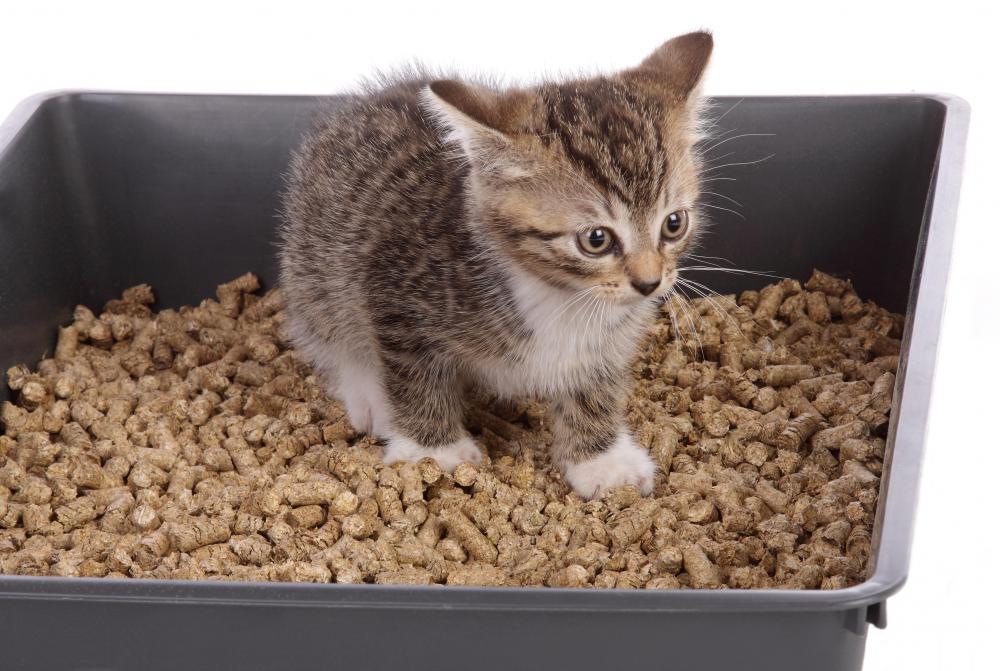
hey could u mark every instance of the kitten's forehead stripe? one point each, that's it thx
(611, 134)
(565, 130)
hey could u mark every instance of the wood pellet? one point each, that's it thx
(194, 444)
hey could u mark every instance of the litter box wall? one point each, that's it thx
(101, 191)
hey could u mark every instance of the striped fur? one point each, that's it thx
(429, 241)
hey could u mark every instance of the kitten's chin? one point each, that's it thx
(667, 288)
(635, 300)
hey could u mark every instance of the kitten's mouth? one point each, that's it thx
(666, 287)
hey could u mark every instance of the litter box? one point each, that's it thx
(101, 191)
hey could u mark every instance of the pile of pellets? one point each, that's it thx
(195, 444)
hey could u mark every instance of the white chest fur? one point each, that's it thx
(572, 335)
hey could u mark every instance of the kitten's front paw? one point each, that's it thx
(624, 463)
(448, 456)
(360, 391)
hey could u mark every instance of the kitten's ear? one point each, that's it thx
(678, 65)
(477, 118)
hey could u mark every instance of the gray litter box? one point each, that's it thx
(100, 191)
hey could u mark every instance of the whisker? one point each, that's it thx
(717, 258)
(673, 315)
(724, 209)
(683, 305)
(701, 149)
(737, 137)
(602, 327)
(594, 304)
(565, 306)
(708, 294)
(720, 167)
(731, 200)
(716, 121)
(719, 158)
(735, 271)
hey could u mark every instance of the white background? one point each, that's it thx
(945, 618)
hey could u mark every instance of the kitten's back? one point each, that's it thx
(371, 175)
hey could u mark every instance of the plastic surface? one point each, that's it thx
(99, 191)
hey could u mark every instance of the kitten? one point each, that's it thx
(439, 233)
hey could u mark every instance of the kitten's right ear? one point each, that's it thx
(475, 117)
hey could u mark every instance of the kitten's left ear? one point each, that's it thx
(482, 121)
(677, 66)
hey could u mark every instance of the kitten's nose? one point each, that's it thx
(646, 287)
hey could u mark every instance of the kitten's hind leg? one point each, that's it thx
(427, 415)
(351, 376)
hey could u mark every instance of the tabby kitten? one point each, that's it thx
(441, 233)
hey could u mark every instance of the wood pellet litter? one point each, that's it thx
(194, 444)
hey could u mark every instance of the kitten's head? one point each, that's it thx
(589, 183)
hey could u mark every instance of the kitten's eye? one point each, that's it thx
(675, 225)
(596, 241)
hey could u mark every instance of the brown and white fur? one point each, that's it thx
(436, 234)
